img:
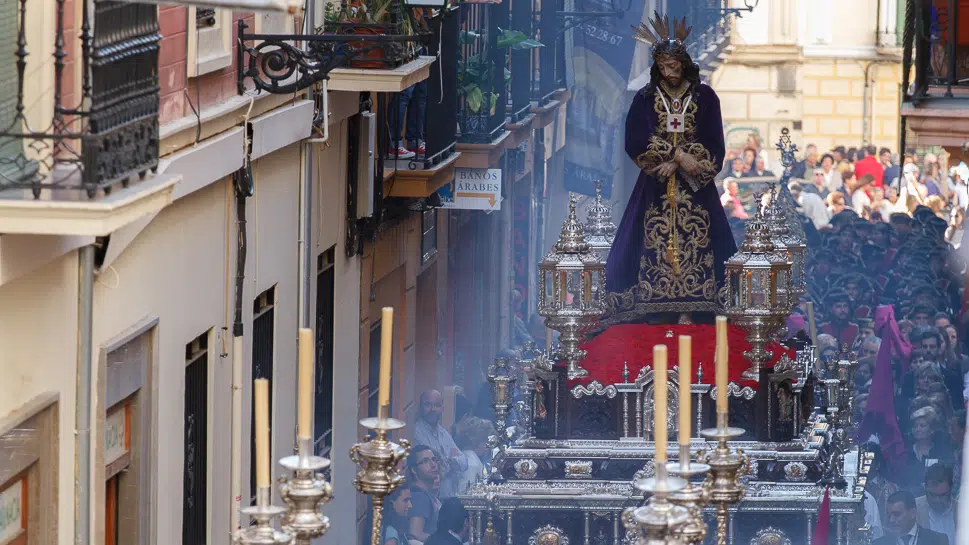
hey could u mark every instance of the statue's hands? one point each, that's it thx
(665, 170)
(687, 162)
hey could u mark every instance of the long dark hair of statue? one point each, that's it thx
(691, 73)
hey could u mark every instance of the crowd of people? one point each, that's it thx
(442, 463)
(885, 271)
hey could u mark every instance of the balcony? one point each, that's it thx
(935, 107)
(363, 46)
(85, 168)
(400, 113)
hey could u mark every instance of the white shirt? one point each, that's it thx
(470, 476)
(944, 523)
(961, 191)
(872, 517)
(914, 532)
(452, 459)
(813, 207)
(860, 201)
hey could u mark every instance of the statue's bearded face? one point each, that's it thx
(671, 70)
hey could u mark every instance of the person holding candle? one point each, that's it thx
(429, 431)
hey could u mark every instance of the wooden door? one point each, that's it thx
(111, 511)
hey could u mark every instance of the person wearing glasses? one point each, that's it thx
(424, 478)
(937, 509)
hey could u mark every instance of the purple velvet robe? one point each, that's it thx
(640, 278)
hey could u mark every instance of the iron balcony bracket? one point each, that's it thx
(277, 66)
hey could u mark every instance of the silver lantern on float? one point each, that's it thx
(571, 283)
(600, 231)
(758, 297)
(786, 241)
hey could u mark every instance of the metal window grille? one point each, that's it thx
(325, 295)
(428, 234)
(263, 342)
(195, 465)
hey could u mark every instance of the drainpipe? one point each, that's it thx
(82, 413)
(868, 98)
(242, 189)
(305, 234)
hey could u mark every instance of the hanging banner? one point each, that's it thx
(473, 189)
(602, 60)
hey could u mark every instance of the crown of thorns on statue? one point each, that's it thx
(656, 33)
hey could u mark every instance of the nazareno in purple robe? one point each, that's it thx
(641, 282)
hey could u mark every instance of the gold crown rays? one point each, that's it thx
(658, 29)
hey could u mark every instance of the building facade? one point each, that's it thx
(167, 231)
(829, 72)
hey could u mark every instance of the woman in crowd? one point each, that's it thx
(472, 439)
(396, 523)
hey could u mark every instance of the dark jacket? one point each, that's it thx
(925, 537)
(443, 537)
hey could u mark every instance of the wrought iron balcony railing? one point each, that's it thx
(350, 37)
(937, 32)
(482, 75)
(110, 133)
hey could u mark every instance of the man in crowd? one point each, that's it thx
(454, 524)
(903, 523)
(801, 170)
(759, 168)
(429, 431)
(936, 509)
(811, 205)
(424, 479)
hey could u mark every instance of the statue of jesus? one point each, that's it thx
(666, 264)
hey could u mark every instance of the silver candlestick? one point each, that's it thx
(305, 491)
(692, 497)
(657, 522)
(262, 531)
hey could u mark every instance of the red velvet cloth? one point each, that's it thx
(633, 344)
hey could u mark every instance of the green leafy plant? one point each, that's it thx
(476, 72)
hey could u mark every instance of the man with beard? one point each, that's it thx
(667, 261)
(936, 509)
(429, 431)
(839, 325)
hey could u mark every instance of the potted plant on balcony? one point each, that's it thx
(374, 18)
(476, 78)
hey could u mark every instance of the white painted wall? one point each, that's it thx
(329, 229)
(38, 336)
(176, 271)
(753, 28)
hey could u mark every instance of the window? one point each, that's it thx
(263, 341)
(323, 417)
(209, 40)
(195, 468)
(428, 234)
